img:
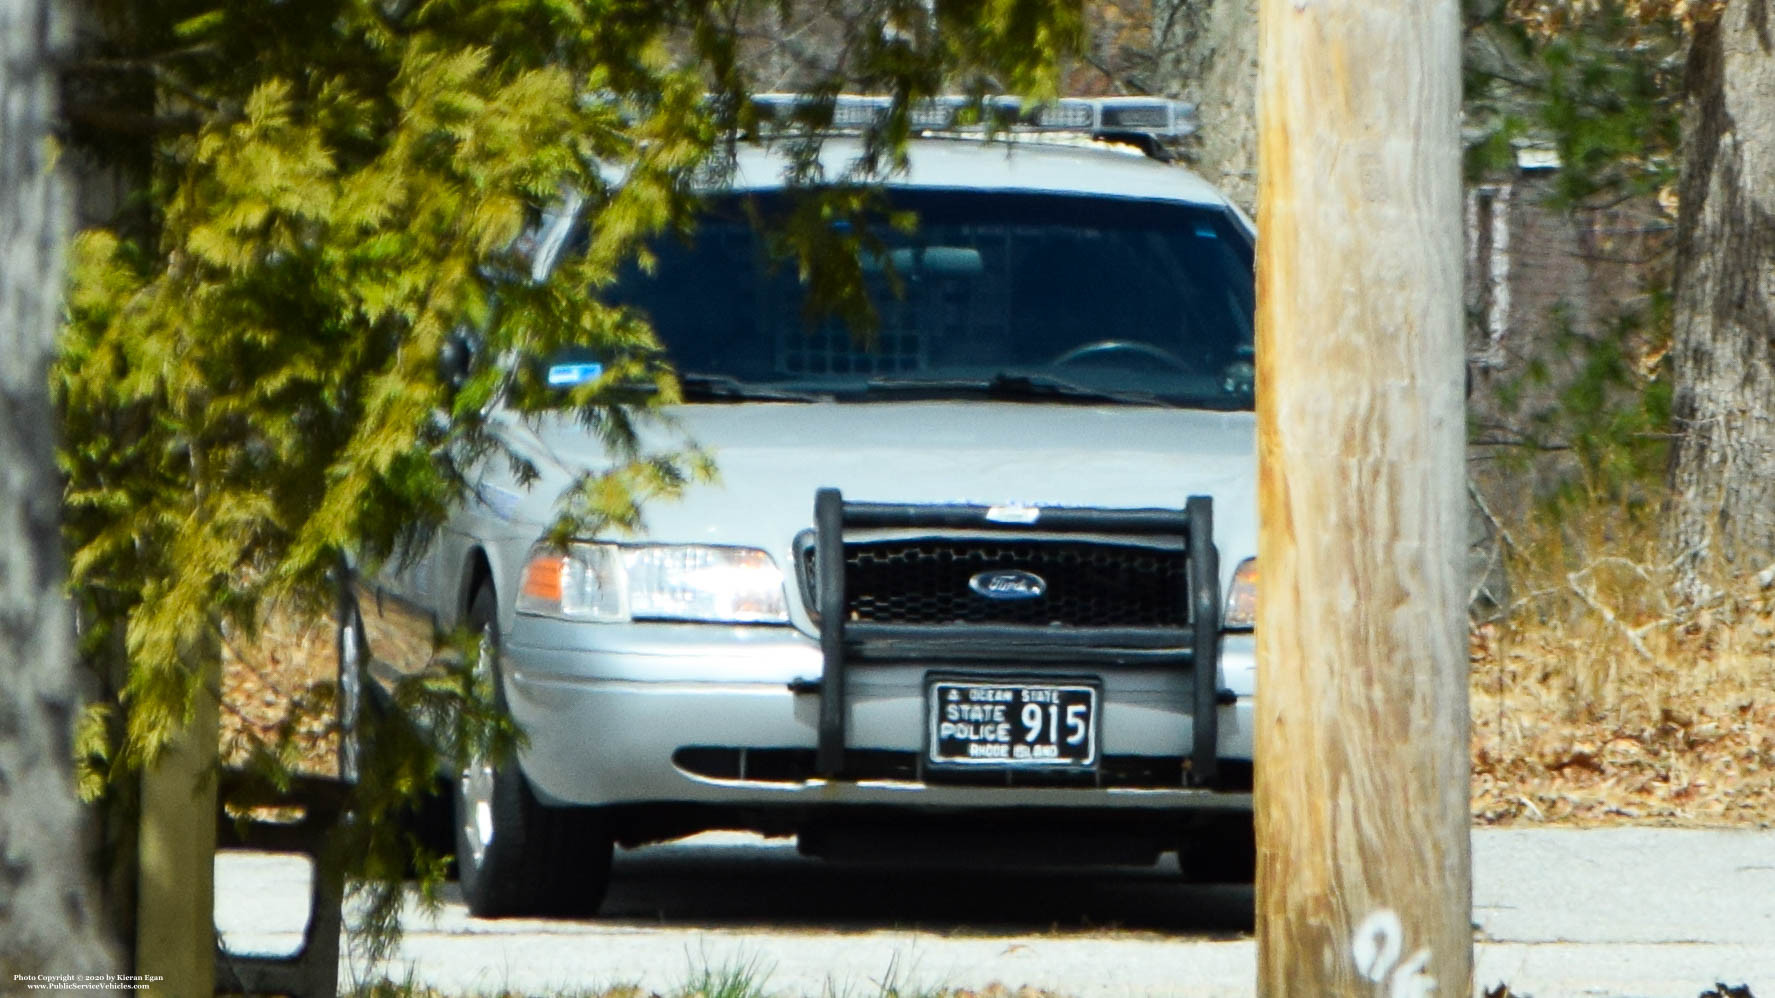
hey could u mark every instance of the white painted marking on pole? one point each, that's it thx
(1377, 944)
(1375, 948)
(1413, 979)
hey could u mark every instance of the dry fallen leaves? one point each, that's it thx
(261, 677)
(1684, 738)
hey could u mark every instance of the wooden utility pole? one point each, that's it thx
(1364, 880)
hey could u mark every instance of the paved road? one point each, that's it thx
(1629, 912)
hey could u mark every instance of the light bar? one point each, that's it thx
(858, 113)
(1158, 117)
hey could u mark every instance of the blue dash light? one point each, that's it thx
(568, 375)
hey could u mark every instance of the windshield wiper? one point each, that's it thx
(1018, 388)
(703, 386)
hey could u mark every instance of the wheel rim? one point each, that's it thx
(351, 691)
(477, 801)
(476, 784)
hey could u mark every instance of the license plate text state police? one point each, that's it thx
(1013, 724)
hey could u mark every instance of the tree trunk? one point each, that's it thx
(1364, 867)
(50, 916)
(1722, 470)
(1207, 54)
(176, 857)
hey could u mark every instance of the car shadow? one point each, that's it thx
(727, 881)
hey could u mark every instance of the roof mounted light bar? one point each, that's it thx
(1162, 119)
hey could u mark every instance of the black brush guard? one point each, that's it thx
(843, 641)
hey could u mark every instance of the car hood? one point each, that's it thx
(770, 458)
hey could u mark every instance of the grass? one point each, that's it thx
(1597, 699)
(734, 977)
(734, 981)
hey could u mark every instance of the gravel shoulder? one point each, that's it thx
(1647, 913)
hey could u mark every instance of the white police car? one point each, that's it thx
(978, 582)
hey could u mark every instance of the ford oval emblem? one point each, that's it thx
(1009, 584)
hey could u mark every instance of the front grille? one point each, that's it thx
(1089, 584)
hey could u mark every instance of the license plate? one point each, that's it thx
(1012, 724)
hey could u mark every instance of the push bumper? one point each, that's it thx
(646, 714)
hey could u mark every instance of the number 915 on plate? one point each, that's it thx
(1014, 724)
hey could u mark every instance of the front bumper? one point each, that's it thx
(661, 713)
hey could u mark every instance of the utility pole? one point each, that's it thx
(1364, 878)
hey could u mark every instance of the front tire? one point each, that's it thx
(514, 854)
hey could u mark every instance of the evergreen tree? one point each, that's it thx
(1585, 401)
(252, 382)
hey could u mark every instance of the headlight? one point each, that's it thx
(609, 582)
(1241, 598)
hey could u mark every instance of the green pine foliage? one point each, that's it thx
(1587, 400)
(1598, 86)
(251, 384)
(1601, 91)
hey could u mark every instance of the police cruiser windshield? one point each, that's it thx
(1020, 296)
